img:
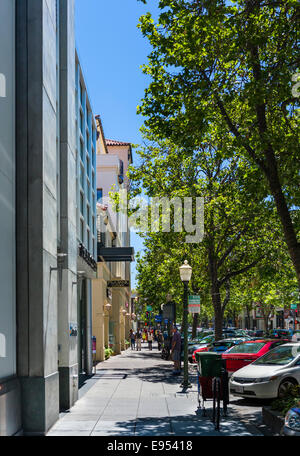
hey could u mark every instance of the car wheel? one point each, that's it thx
(285, 385)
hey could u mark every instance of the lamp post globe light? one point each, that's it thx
(185, 275)
(108, 306)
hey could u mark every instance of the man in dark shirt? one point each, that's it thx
(176, 351)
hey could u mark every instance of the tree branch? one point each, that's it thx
(240, 271)
(231, 247)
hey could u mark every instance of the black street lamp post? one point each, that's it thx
(185, 275)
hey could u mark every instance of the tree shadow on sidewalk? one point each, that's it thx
(177, 425)
(159, 373)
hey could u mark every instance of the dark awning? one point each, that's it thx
(114, 254)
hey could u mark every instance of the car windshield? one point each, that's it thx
(206, 339)
(247, 348)
(281, 332)
(279, 356)
(222, 344)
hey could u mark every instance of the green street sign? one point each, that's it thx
(194, 304)
(294, 306)
(149, 308)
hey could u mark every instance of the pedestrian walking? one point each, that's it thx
(176, 351)
(160, 340)
(144, 336)
(150, 340)
(132, 339)
(138, 338)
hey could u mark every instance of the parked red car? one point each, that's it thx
(245, 353)
(205, 348)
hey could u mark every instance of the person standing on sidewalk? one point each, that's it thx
(138, 338)
(132, 339)
(144, 336)
(176, 351)
(150, 340)
(160, 340)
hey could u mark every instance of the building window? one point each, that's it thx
(81, 149)
(81, 203)
(93, 156)
(88, 239)
(81, 230)
(87, 140)
(88, 214)
(81, 93)
(99, 195)
(88, 191)
(87, 114)
(88, 165)
(93, 225)
(81, 122)
(81, 176)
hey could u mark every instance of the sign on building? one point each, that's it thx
(118, 283)
(194, 304)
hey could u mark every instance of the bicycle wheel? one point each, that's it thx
(214, 388)
(198, 386)
(225, 391)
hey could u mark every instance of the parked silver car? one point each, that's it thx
(292, 422)
(270, 375)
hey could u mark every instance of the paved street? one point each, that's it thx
(135, 394)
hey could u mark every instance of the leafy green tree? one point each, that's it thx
(267, 286)
(229, 66)
(241, 230)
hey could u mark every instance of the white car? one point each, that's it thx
(270, 375)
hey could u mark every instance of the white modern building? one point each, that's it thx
(86, 136)
(47, 233)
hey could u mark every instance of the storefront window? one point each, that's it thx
(7, 183)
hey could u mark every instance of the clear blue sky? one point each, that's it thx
(111, 50)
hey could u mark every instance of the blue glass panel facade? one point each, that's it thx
(86, 166)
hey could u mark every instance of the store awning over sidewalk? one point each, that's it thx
(114, 254)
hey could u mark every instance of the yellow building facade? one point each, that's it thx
(111, 292)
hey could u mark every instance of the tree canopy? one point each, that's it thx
(228, 68)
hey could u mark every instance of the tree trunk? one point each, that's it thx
(216, 299)
(270, 166)
(283, 213)
(266, 322)
(248, 317)
(270, 169)
(195, 324)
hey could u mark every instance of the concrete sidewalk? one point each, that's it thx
(136, 394)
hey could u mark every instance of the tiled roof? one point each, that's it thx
(112, 142)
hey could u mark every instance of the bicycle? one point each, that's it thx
(213, 386)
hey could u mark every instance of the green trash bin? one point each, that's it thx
(210, 364)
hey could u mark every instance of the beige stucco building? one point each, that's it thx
(111, 290)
